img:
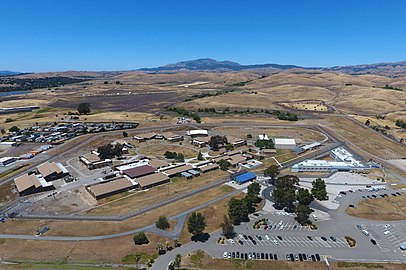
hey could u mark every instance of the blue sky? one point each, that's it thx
(57, 35)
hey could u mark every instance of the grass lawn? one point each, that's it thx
(388, 208)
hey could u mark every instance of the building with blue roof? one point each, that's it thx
(243, 177)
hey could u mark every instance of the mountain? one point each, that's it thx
(207, 64)
(8, 73)
(386, 69)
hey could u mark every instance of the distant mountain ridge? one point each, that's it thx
(8, 73)
(209, 64)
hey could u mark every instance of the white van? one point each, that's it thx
(365, 232)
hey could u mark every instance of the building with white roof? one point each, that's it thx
(197, 132)
(344, 161)
(263, 137)
(284, 143)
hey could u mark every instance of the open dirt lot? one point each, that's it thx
(389, 208)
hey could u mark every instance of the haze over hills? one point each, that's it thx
(8, 73)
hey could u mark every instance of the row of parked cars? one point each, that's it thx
(302, 257)
(270, 256)
(250, 255)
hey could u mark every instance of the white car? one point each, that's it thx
(276, 242)
(231, 241)
(386, 232)
(387, 226)
(225, 254)
(281, 227)
(267, 237)
(240, 237)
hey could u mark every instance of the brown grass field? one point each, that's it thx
(389, 208)
(159, 149)
(86, 228)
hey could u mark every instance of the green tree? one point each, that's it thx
(224, 164)
(254, 189)
(8, 120)
(215, 142)
(84, 108)
(176, 242)
(303, 196)
(177, 261)
(140, 239)
(284, 199)
(302, 214)
(227, 227)
(368, 122)
(196, 224)
(237, 210)
(14, 129)
(200, 156)
(272, 172)
(284, 193)
(160, 247)
(162, 223)
(180, 157)
(229, 147)
(319, 190)
(125, 134)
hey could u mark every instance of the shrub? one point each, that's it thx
(351, 241)
(140, 239)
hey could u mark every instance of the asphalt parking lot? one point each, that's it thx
(388, 236)
(283, 235)
(288, 241)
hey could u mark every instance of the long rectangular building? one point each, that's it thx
(152, 180)
(109, 188)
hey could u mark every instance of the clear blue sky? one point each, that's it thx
(57, 35)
